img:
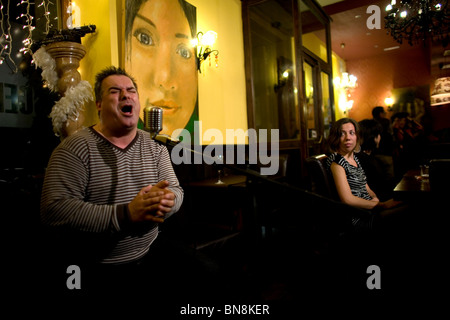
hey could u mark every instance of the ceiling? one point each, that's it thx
(350, 36)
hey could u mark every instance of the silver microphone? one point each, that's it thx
(153, 119)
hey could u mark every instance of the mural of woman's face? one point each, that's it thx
(163, 62)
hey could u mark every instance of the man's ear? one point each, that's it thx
(98, 104)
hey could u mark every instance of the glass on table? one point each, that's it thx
(219, 164)
(424, 171)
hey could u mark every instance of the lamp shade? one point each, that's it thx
(441, 92)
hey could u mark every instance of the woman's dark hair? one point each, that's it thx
(370, 130)
(334, 138)
(110, 71)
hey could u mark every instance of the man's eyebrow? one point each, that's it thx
(120, 89)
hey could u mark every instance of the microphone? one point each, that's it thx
(153, 119)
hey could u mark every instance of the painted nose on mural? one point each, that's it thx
(164, 72)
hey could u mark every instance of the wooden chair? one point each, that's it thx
(321, 181)
(333, 218)
(440, 175)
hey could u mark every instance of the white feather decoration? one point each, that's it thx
(70, 106)
(72, 103)
(45, 61)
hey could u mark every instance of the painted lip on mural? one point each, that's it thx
(169, 107)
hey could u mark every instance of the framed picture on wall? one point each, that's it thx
(412, 100)
(159, 54)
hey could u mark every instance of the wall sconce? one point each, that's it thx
(389, 102)
(345, 105)
(346, 86)
(285, 74)
(282, 80)
(204, 44)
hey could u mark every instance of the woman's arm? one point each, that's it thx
(372, 193)
(344, 191)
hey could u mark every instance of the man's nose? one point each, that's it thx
(124, 94)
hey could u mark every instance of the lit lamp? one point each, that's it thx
(417, 20)
(389, 102)
(204, 44)
(282, 79)
(441, 92)
(348, 82)
(346, 85)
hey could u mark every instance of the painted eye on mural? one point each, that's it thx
(184, 52)
(144, 37)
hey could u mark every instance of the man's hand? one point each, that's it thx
(152, 203)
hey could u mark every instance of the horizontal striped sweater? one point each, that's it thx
(88, 185)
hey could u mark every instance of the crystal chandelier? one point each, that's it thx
(417, 20)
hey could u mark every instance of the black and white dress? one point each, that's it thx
(356, 176)
(357, 181)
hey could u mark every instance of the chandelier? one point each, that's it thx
(417, 20)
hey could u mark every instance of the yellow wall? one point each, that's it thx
(317, 46)
(222, 94)
(339, 67)
(101, 46)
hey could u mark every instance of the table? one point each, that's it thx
(228, 179)
(215, 212)
(412, 187)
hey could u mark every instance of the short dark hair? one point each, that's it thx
(334, 138)
(370, 129)
(377, 111)
(102, 75)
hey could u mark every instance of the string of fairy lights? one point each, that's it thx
(6, 38)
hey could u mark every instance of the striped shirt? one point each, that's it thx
(356, 176)
(89, 181)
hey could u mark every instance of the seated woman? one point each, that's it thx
(347, 172)
(394, 232)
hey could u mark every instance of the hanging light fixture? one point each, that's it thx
(418, 20)
(441, 92)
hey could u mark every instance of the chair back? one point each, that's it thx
(440, 175)
(321, 180)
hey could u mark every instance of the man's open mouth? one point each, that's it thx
(127, 109)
